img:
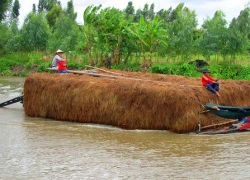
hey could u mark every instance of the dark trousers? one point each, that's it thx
(214, 87)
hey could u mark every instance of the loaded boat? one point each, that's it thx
(129, 100)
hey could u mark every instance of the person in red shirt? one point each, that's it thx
(210, 83)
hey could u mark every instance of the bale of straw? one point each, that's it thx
(157, 102)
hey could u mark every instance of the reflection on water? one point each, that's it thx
(35, 148)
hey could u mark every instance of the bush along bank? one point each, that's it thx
(23, 64)
(221, 71)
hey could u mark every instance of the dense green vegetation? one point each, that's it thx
(128, 39)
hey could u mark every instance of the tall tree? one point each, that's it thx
(54, 14)
(4, 5)
(47, 5)
(52, 3)
(164, 15)
(130, 10)
(151, 12)
(15, 9)
(34, 8)
(180, 31)
(70, 10)
(238, 40)
(35, 32)
(66, 35)
(215, 37)
(42, 5)
(145, 12)
(14, 43)
(137, 16)
(5, 35)
(243, 22)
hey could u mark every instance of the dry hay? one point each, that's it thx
(163, 102)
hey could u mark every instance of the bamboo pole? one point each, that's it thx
(110, 72)
(190, 85)
(220, 124)
(119, 77)
(111, 76)
(115, 77)
(204, 111)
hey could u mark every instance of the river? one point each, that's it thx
(36, 148)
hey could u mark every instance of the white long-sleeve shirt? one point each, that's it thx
(55, 61)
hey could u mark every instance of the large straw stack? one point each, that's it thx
(150, 101)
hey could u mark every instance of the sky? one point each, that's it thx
(203, 8)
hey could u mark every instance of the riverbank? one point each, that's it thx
(24, 64)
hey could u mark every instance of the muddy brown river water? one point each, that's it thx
(36, 148)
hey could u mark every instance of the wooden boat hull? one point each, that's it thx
(228, 130)
(224, 131)
(229, 112)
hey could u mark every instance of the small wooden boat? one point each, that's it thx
(229, 112)
(228, 130)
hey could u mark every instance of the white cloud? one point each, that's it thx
(203, 8)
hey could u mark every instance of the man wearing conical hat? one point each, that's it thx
(58, 59)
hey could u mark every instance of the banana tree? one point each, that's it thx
(111, 28)
(149, 34)
(90, 17)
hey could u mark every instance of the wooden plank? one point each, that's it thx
(51, 69)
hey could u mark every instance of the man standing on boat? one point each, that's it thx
(210, 83)
(58, 62)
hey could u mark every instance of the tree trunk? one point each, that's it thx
(126, 58)
(89, 52)
(96, 58)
